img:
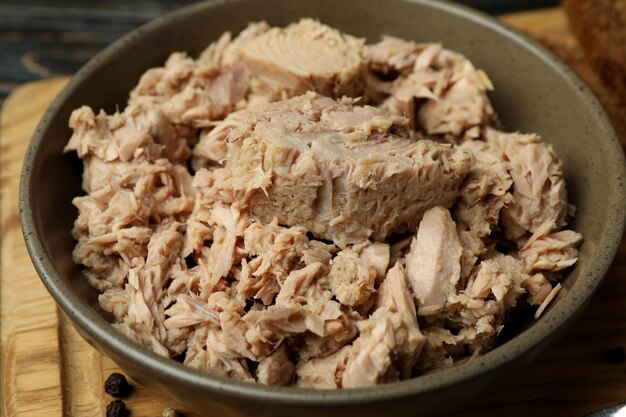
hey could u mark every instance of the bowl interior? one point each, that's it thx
(533, 93)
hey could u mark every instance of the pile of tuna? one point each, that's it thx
(295, 207)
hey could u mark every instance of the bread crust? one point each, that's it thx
(600, 26)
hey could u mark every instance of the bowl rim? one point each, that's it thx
(84, 317)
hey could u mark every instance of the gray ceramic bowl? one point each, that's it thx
(534, 93)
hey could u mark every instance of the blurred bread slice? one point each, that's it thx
(600, 26)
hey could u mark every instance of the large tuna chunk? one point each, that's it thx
(301, 57)
(346, 173)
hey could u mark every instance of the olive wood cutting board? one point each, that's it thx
(48, 370)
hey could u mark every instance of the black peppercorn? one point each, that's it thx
(116, 408)
(117, 386)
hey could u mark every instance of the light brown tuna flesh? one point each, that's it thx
(296, 208)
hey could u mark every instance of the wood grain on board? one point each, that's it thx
(48, 370)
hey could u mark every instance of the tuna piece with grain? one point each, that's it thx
(342, 172)
(552, 252)
(194, 93)
(276, 369)
(304, 56)
(390, 341)
(136, 134)
(539, 197)
(438, 90)
(433, 264)
(351, 278)
(323, 373)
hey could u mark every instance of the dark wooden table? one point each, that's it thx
(42, 38)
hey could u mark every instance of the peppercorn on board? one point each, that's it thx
(47, 369)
